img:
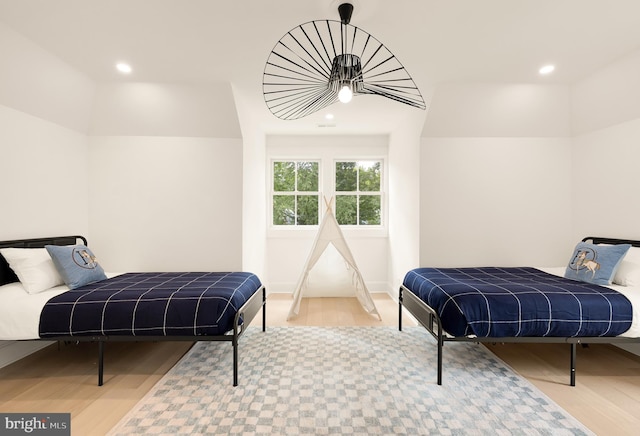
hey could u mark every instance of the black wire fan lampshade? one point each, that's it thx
(324, 61)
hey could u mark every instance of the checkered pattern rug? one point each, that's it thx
(344, 381)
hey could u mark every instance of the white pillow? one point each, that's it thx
(34, 268)
(628, 273)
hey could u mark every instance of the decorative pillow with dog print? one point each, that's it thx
(76, 264)
(595, 264)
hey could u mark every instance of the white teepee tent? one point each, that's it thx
(330, 233)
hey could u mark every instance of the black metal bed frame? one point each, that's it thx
(242, 319)
(429, 319)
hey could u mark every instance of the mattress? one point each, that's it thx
(531, 302)
(20, 312)
(151, 304)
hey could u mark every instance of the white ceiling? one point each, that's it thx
(202, 41)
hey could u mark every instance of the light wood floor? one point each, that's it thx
(606, 398)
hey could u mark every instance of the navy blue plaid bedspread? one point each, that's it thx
(509, 302)
(150, 304)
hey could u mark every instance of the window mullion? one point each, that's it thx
(295, 193)
(357, 194)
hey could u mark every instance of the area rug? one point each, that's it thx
(344, 381)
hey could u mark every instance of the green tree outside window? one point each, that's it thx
(358, 193)
(296, 197)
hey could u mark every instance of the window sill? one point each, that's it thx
(306, 232)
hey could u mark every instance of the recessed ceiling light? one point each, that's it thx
(547, 69)
(123, 68)
(328, 116)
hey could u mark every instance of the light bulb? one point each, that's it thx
(547, 69)
(123, 68)
(345, 94)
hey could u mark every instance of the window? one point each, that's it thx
(296, 196)
(304, 171)
(358, 192)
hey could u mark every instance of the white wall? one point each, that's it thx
(164, 109)
(495, 202)
(150, 143)
(606, 117)
(254, 201)
(404, 200)
(36, 82)
(605, 184)
(496, 176)
(44, 177)
(166, 203)
(498, 110)
(44, 116)
(608, 97)
(166, 177)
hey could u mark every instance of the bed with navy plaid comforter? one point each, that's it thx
(150, 304)
(512, 302)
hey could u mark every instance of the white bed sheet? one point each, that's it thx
(20, 311)
(632, 293)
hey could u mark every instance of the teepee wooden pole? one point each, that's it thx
(328, 203)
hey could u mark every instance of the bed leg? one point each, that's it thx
(573, 364)
(440, 342)
(264, 309)
(235, 362)
(100, 362)
(400, 310)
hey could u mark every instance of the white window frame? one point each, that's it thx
(381, 193)
(295, 193)
(326, 150)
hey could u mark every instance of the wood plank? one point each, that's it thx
(65, 381)
(606, 397)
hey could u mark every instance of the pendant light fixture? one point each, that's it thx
(321, 62)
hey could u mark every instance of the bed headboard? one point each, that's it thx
(611, 241)
(7, 275)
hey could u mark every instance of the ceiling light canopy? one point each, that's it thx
(320, 62)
